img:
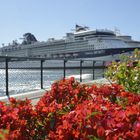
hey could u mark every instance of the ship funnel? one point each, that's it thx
(29, 38)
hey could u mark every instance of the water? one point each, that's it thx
(21, 81)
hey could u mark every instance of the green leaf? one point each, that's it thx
(50, 114)
(92, 137)
(93, 114)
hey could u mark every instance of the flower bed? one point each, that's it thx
(71, 111)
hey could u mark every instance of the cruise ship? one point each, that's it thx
(83, 43)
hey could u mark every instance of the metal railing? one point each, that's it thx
(9, 63)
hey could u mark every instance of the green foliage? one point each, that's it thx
(3, 134)
(126, 72)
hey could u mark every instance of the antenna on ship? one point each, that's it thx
(86, 27)
(117, 31)
(3, 45)
(74, 28)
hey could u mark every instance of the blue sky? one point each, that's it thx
(53, 18)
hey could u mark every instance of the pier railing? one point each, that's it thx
(11, 68)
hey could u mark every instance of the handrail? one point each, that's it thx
(7, 59)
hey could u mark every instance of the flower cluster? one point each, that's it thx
(19, 118)
(72, 111)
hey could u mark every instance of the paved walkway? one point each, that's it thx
(97, 81)
(33, 95)
(35, 100)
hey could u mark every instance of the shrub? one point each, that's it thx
(72, 111)
(126, 72)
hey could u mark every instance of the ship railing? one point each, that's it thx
(11, 68)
